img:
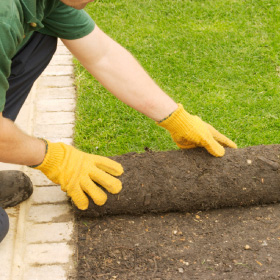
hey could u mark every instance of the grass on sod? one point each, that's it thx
(219, 58)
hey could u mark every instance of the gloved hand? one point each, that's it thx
(190, 131)
(75, 172)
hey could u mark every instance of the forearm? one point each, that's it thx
(117, 70)
(121, 74)
(17, 147)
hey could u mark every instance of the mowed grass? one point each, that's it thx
(219, 58)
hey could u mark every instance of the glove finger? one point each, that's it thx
(110, 183)
(223, 140)
(79, 198)
(213, 147)
(98, 196)
(108, 165)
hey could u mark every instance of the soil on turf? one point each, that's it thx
(227, 243)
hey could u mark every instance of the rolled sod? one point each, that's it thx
(191, 180)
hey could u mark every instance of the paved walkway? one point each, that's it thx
(41, 241)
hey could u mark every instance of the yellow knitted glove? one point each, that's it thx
(75, 172)
(190, 131)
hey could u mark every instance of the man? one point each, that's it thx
(28, 33)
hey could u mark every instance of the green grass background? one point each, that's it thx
(219, 58)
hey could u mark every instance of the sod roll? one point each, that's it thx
(192, 180)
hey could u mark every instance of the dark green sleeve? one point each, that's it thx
(67, 23)
(8, 43)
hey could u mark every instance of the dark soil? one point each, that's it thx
(237, 243)
(227, 243)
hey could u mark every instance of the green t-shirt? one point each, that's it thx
(20, 18)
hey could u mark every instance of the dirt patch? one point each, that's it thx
(237, 243)
(228, 243)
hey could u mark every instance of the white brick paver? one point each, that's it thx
(54, 272)
(39, 254)
(55, 82)
(49, 213)
(39, 244)
(47, 131)
(56, 93)
(48, 195)
(55, 117)
(50, 232)
(58, 70)
(55, 105)
(62, 59)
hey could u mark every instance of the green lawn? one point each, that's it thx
(219, 58)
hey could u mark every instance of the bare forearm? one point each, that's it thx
(17, 147)
(116, 69)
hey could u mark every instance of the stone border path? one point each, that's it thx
(41, 241)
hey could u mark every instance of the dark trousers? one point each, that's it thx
(27, 66)
(4, 224)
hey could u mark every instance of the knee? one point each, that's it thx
(4, 224)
